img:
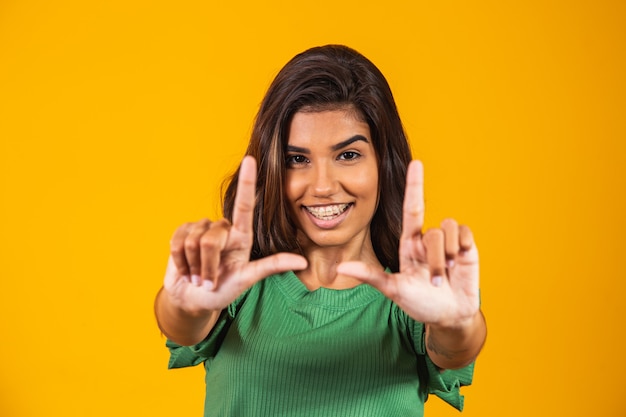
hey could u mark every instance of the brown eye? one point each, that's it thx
(293, 160)
(349, 155)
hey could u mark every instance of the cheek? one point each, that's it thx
(293, 186)
(366, 183)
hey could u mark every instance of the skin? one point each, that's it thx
(437, 283)
(209, 267)
(331, 161)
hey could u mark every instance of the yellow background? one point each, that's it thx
(119, 120)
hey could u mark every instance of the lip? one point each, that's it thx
(330, 223)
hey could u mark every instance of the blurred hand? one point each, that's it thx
(438, 279)
(209, 264)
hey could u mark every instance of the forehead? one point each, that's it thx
(327, 126)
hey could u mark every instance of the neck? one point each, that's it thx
(322, 272)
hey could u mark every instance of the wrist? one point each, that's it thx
(455, 345)
(460, 325)
(173, 303)
(181, 325)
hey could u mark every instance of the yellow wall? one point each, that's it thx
(119, 119)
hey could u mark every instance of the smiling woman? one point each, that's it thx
(326, 79)
(271, 298)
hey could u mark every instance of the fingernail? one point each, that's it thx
(208, 285)
(450, 263)
(437, 280)
(196, 280)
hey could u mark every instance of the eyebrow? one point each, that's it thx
(336, 147)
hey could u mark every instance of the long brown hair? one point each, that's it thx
(325, 78)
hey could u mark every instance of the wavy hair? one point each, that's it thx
(325, 78)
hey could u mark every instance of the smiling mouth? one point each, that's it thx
(327, 212)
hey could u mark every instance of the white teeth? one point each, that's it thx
(327, 212)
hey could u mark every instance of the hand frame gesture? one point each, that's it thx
(438, 278)
(209, 265)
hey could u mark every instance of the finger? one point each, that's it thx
(177, 249)
(466, 238)
(451, 238)
(366, 273)
(212, 243)
(413, 207)
(435, 255)
(192, 248)
(243, 210)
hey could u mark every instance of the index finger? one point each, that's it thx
(413, 207)
(243, 210)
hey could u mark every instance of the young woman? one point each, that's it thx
(318, 294)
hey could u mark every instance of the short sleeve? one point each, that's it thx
(447, 384)
(184, 356)
(444, 384)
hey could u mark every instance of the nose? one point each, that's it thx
(324, 182)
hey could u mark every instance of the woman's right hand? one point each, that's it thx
(209, 264)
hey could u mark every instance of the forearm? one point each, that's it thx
(456, 347)
(180, 326)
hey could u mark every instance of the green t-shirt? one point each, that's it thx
(282, 350)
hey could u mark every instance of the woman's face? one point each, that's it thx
(332, 178)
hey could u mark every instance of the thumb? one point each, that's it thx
(368, 275)
(274, 264)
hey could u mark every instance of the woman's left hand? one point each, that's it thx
(438, 279)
